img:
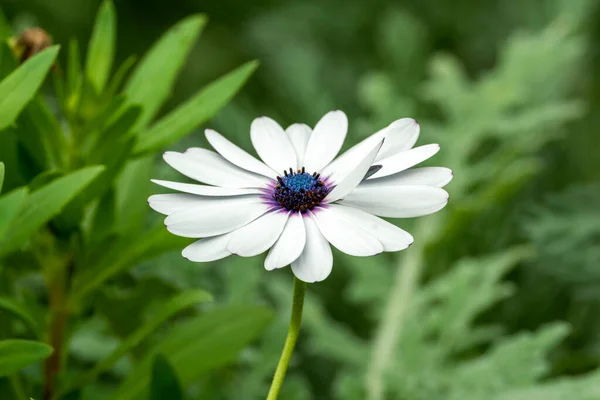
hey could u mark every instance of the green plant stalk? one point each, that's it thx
(398, 304)
(290, 340)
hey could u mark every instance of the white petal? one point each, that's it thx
(343, 164)
(398, 201)
(344, 235)
(400, 135)
(272, 144)
(354, 177)
(209, 167)
(316, 261)
(209, 249)
(216, 217)
(203, 190)
(169, 203)
(259, 235)
(325, 141)
(299, 135)
(404, 160)
(290, 244)
(428, 176)
(391, 237)
(236, 155)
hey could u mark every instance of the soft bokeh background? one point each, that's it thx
(499, 298)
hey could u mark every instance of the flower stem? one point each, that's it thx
(290, 340)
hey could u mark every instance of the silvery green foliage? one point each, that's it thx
(491, 129)
(565, 229)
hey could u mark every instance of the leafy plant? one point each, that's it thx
(74, 214)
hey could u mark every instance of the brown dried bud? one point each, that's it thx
(31, 41)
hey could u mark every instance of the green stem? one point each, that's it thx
(18, 387)
(290, 341)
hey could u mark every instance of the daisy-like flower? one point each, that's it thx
(300, 198)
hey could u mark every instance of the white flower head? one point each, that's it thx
(300, 199)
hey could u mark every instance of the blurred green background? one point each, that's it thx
(499, 297)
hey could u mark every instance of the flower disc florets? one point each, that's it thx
(299, 191)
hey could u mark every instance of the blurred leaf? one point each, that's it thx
(101, 49)
(160, 67)
(16, 354)
(125, 255)
(200, 345)
(120, 130)
(5, 29)
(175, 305)
(198, 109)
(165, 384)
(121, 74)
(44, 204)
(10, 205)
(12, 306)
(133, 187)
(17, 89)
(1, 175)
(74, 76)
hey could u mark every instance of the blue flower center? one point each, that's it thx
(299, 191)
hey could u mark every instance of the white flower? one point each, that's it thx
(298, 199)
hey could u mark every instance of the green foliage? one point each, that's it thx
(176, 124)
(160, 66)
(200, 345)
(164, 380)
(16, 354)
(74, 220)
(17, 89)
(497, 299)
(101, 50)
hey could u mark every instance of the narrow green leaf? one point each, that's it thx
(5, 29)
(10, 305)
(121, 74)
(10, 204)
(153, 79)
(195, 111)
(17, 89)
(133, 187)
(123, 256)
(1, 175)
(74, 76)
(200, 345)
(101, 49)
(178, 303)
(165, 383)
(17, 354)
(44, 204)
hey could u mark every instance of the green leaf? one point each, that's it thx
(200, 345)
(5, 29)
(101, 50)
(120, 75)
(44, 204)
(1, 175)
(74, 80)
(10, 305)
(195, 111)
(10, 204)
(17, 89)
(133, 187)
(125, 255)
(165, 383)
(178, 303)
(17, 354)
(153, 79)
